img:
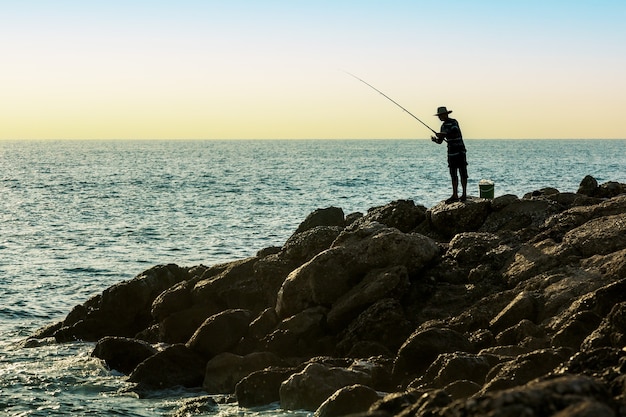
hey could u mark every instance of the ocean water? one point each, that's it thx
(79, 216)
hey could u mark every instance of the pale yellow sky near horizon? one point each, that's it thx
(275, 69)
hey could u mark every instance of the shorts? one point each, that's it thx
(458, 162)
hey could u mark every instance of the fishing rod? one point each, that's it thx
(392, 100)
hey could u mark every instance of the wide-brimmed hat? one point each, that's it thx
(442, 110)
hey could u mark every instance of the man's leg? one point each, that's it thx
(463, 174)
(455, 186)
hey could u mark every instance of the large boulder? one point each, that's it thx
(348, 400)
(566, 395)
(262, 387)
(392, 282)
(123, 309)
(450, 219)
(381, 329)
(334, 272)
(302, 335)
(303, 246)
(122, 354)
(452, 367)
(599, 236)
(224, 371)
(525, 368)
(403, 215)
(176, 365)
(221, 332)
(307, 390)
(520, 214)
(330, 216)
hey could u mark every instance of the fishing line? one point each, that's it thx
(390, 99)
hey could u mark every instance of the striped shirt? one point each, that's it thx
(450, 128)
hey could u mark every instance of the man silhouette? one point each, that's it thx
(457, 161)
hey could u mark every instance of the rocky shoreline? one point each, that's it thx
(501, 307)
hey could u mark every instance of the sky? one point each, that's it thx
(234, 69)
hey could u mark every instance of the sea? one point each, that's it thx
(77, 216)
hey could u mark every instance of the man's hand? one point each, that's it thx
(437, 139)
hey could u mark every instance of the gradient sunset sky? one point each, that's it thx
(236, 69)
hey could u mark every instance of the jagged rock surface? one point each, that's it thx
(492, 307)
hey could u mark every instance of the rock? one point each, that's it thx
(600, 236)
(611, 189)
(556, 395)
(462, 389)
(383, 324)
(536, 286)
(572, 333)
(611, 332)
(307, 390)
(224, 371)
(262, 387)
(122, 354)
(391, 282)
(450, 219)
(123, 309)
(264, 323)
(303, 334)
(472, 247)
(174, 366)
(524, 306)
(525, 368)
(587, 408)
(172, 300)
(423, 347)
(234, 288)
(403, 215)
(303, 246)
(526, 213)
(453, 367)
(197, 406)
(331, 216)
(332, 273)
(347, 400)
(180, 326)
(220, 333)
(588, 186)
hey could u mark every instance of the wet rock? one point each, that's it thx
(347, 400)
(197, 406)
(307, 390)
(122, 354)
(174, 366)
(262, 387)
(123, 309)
(224, 371)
